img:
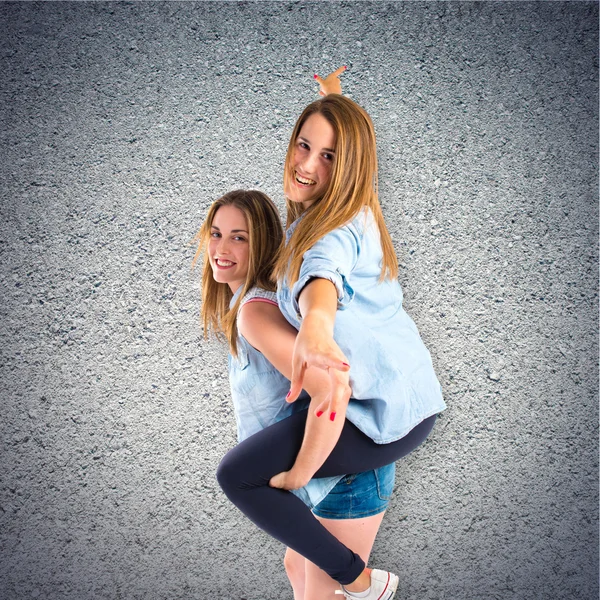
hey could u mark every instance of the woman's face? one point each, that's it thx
(312, 160)
(229, 247)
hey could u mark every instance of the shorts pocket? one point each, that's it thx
(385, 477)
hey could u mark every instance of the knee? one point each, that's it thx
(228, 473)
(294, 568)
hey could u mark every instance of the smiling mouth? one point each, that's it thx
(304, 181)
(223, 263)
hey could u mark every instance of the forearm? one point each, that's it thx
(318, 305)
(315, 347)
(320, 437)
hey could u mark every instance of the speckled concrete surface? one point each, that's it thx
(121, 122)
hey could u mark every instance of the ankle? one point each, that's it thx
(361, 583)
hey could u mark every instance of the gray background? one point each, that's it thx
(120, 123)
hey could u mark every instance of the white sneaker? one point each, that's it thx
(383, 587)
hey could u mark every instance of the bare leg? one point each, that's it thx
(295, 569)
(358, 535)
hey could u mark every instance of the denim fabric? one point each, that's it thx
(394, 386)
(359, 495)
(258, 391)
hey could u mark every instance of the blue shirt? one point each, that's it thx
(394, 386)
(258, 391)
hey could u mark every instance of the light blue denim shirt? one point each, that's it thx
(258, 391)
(394, 386)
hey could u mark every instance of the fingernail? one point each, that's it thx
(346, 364)
(288, 394)
(319, 413)
(315, 76)
(332, 416)
(345, 67)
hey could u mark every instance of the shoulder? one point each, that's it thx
(259, 310)
(354, 230)
(262, 324)
(363, 222)
(343, 245)
(259, 295)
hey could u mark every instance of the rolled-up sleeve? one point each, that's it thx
(333, 258)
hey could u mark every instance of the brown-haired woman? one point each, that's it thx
(240, 239)
(337, 285)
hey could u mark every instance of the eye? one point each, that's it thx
(215, 234)
(303, 145)
(328, 156)
(239, 238)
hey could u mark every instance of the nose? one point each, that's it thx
(223, 246)
(308, 165)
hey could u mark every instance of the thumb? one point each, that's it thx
(276, 481)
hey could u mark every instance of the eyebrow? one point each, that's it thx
(308, 142)
(232, 231)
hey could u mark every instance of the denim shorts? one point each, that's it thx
(359, 495)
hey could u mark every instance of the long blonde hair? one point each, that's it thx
(265, 236)
(353, 185)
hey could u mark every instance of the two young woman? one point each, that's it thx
(337, 287)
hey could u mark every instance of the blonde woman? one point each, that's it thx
(240, 239)
(337, 284)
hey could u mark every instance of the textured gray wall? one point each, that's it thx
(120, 123)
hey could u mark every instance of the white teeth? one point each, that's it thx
(305, 181)
(224, 263)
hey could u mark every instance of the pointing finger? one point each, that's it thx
(339, 71)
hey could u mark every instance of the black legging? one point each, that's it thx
(245, 471)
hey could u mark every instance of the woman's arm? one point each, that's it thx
(315, 346)
(266, 329)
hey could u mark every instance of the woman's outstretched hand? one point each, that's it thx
(331, 84)
(314, 347)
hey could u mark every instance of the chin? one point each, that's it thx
(301, 196)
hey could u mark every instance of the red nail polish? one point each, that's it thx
(332, 416)
(319, 413)
(345, 67)
(315, 76)
(288, 394)
(345, 364)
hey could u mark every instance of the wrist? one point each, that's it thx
(299, 477)
(318, 319)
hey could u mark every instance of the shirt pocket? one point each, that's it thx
(241, 376)
(241, 361)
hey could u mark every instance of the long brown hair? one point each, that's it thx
(353, 185)
(265, 236)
